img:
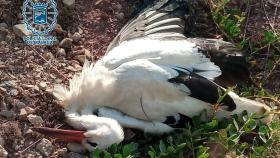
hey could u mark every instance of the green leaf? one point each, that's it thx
(152, 152)
(259, 150)
(235, 137)
(250, 125)
(181, 146)
(118, 156)
(129, 149)
(202, 152)
(107, 155)
(242, 147)
(95, 153)
(235, 124)
(171, 150)
(211, 125)
(269, 37)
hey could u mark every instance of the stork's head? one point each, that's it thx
(97, 132)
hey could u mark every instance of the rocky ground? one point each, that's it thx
(28, 73)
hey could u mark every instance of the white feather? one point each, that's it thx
(179, 53)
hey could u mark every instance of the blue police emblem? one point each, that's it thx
(40, 18)
(40, 14)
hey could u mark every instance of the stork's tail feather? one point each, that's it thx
(63, 94)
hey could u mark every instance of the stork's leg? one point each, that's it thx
(130, 122)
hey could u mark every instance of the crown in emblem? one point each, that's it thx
(39, 4)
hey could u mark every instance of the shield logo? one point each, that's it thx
(40, 14)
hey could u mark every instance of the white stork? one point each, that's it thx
(153, 78)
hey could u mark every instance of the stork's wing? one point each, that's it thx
(229, 58)
(163, 19)
(170, 91)
(172, 53)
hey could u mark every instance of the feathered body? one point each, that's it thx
(154, 78)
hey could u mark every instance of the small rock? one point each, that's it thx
(35, 120)
(58, 28)
(3, 89)
(73, 155)
(23, 112)
(4, 25)
(80, 30)
(66, 43)
(61, 152)
(80, 58)
(43, 86)
(20, 104)
(7, 114)
(120, 16)
(3, 152)
(14, 92)
(61, 52)
(87, 53)
(45, 147)
(3, 33)
(10, 83)
(69, 3)
(2, 141)
(76, 37)
(48, 55)
(29, 110)
(20, 30)
(119, 6)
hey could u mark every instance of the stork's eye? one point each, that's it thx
(92, 144)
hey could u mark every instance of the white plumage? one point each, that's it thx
(150, 73)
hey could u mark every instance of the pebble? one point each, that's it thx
(120, 16)
(20, 104)
(61, 52)
(48, 55)
(80, 58)
(10, 83)
(20, 30)
(4, 25)
(14, 92)
(69, 3)
(119, 6)
(43, 86)
(87, 53)
(45, 147)
(2, 141)
(61, 152)
(58, 28)
(73, 155)
(3, 33)
(7, 114)
(29, 110)
(23, 112)
(80, 30)
(66, 43)
(3, 152)
(35, 120)
(76, 37)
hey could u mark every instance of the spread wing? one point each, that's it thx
(157, 34)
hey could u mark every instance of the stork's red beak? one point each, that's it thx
(66, 135)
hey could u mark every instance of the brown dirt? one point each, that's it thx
(25, 67)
